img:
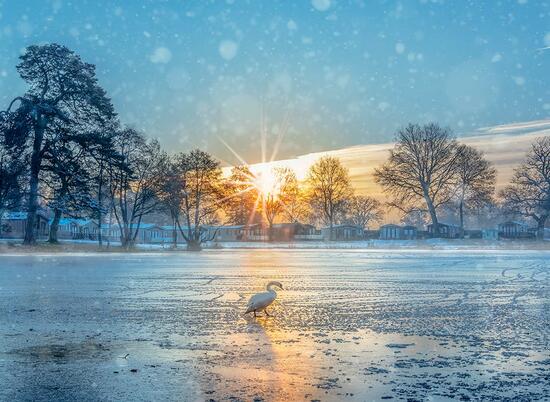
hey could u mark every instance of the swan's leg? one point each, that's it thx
(255, 313)
(266, 313)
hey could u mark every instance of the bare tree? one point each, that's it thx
(528, 194)
(135, 184)
(329, 188)
(61, 87)
(362, 210)
(172, 194)
(201, 194)
(475, 181)
(291, 195)
(420, 173)
(243, 202)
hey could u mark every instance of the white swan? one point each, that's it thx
(260, 301)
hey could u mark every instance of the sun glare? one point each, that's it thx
(266, 181)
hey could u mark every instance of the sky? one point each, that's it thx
(311, 75)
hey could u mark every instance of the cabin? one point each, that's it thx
(489, 234)
(390, 232)
(77, 229)
(12, 225)
(446, 231)
(396, 232)
(371, 234)
(343, 233)
(292, 231)
(304, 231)
(147, 232)
(514, 230)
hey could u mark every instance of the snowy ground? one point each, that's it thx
(353, 325)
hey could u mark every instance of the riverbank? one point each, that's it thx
(84, 246)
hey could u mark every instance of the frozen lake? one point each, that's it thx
(351, 325)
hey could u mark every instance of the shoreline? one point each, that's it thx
(15, 247)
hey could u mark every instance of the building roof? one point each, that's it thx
(132, 226)
(513, 223)
(344, 226)
(21, 216)
(75, 221)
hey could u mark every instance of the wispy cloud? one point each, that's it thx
(504, 145)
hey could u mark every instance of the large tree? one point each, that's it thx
(329, 189)
(475, 181)
(135, 184)
(420, 173)
(201, 192)
(61, 87)
(528, 195)
(362, 210)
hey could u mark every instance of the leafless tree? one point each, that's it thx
(272, 207)
(528, 194)
(420, 173)
(135, 185)
(291, 195)
(242, 203)
(475, 181)
(329, 188)
(362, 210)
(201, 196)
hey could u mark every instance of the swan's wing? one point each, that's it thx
(260, 301)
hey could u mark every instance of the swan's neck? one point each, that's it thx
(270, 289)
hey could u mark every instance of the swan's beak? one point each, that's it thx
(282, 287)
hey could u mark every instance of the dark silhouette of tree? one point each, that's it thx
(13, 168)
(528, 194)
(200, 191)
(420, 173)
(475, 181)
(329, 189)
(135, 184)
(61, 88)
(362, 210)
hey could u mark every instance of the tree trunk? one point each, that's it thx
(194, 245)
(174, 235)
(100, 207)
(54, 227)
(270, 232)
(331, 235)
(541, 223)
(36, 158)
(461, 214)
(433, 214)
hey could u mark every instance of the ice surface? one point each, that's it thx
(351, 325)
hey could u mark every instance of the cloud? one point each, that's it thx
(504, 145)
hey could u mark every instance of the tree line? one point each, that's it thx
(63, 146)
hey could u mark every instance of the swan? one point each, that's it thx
(260, 301)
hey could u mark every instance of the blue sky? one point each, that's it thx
(324, 73)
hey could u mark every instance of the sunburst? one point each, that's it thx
(265, 180)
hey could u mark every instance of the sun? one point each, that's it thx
(266, 181)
